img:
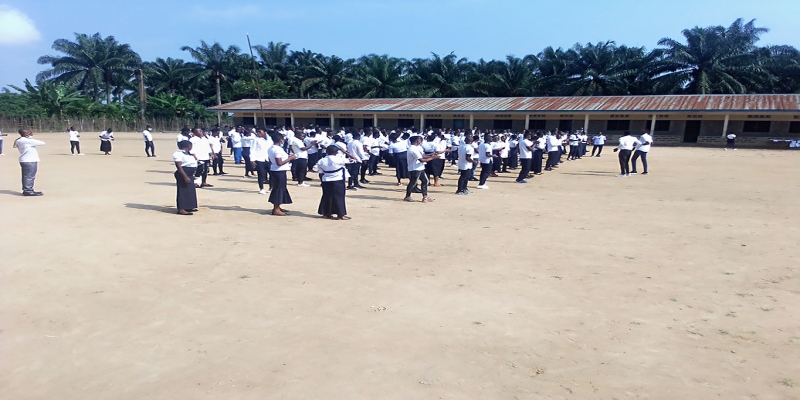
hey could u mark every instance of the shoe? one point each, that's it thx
(622, 176)
(469, 191)
(223, 173)
(303, 185)
(262, 191)
(352, 188)
(597, 155)
(726, 149)
(2, 155)
(493, 175)
(644, 173)
(206, 185)
(482, 187)
(364, 181)
(409, 200)
(474, 179)
(360, 187)
(74, 154)
(32, 194)
(428, 200)
(522, 181)
(462, 193)
(634, 173)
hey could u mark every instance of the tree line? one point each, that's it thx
(95, 76)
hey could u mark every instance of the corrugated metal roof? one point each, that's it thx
(745, 102)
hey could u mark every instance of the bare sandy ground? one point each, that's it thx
(678, 285)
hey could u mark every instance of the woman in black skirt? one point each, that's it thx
(281, 162)
(185, 165)
(105, 141)
(399, 150)
(332, 173)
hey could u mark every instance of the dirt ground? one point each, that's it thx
(678, 285)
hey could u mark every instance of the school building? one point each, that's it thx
(756, 119)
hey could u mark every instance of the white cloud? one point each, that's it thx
(16, 28)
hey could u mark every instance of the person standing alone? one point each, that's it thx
(105, 141)
(74, 141)
(149, 147)
(28, 160)
(731, 141)
(598, 141)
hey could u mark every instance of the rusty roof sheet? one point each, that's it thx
(671, 103)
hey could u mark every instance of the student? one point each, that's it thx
(149, 147)
(731, 141)
(598, 141)
(366, 142)
(247, 143)
(28, 160)
(280, 163)
(398, 149)
(1, 142)
(465, 164)
(332, 173)
(216, 147)
(235, 138)
(645, 140)
(185, 165)
(201, 148)
(259, 156)
(626, 145)
(513, 151)
(185, 134)
(416, 159)
(313, 150)
(437, 166)
(539, 147)
(106, 137)
(525, 148)
(553, 151)
(74, 141)
(485, 157)
(300, 150)
(375, 149)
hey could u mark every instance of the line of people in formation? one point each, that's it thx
(344, 159)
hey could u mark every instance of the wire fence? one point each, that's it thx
(55, 124)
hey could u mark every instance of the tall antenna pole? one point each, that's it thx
(258, 82)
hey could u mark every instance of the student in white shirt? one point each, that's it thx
(525, 148)
(300, 150)
(374, 147)
(247, 142)
(185, 134)
(598, 141)
(645, 140)
(486, 159)
(106, 137)
(280, 163)
(216, 141)
(416, 160)
(465, 164)
(74, 141)
(731, 141)
(201, 148)
(235, 137)
(185, 166)
(513, 151)
(398, 150)
(259, 156)
(539, 147)
(553, 152)
(574, 146)
(28, 160)
(313, 150)
(333, 173)
(625, 147)
(149, 147)
(356, 148)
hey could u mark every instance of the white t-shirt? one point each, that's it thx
(463, 151)
(247, 141)
(482, 150)
(201, 148)
(731, 136)
(27, 149)
(442, 146)
(148, 137)
(523, 149)
(106, 136)
(599, 140)
(400, 146)
(186, 159)
(276, 153)
(297, 147)
(216, 144)
(628, 143)
(74, 136)
(541, 143)
(356, 148)
(181, 137)
(574, 139)
(645, 138)
(332, 168)
(260, 149)
(307, 142)
(415, 153)
(236, 139)
(553, 143)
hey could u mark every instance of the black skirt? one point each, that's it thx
(105, 146)
(332, 201)
(279, 194)
(435, 167)
(401, 165)
(187, 194)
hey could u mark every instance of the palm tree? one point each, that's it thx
(275, 59)
(512, 77)
(326, 76)
(380, 77)
(600, 69)
(714, 60)
(441, 77)
(171, 76)
(218, 64)
(88, 61)
(52, 97)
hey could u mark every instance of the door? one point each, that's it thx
(287, 121)
(565, 125)
(692, 131)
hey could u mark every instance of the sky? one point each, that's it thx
(488, 29)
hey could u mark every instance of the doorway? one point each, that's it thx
(692, 131)
(565, 125)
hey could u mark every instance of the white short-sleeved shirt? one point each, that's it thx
(645, 138)
(400, 146)
(74, 136)
(247, 141)
(297, 147)
(201, 148)
(463, 151)
(236, 139)
(482, 150)
(216, 144)
(415, 153)
(186, 159)
(627, 142)
(275, 153)
(524, 153)
(356, 148)
(731, 136)
(441, 146)
(27, 149)
(599, 140)
(428, 147)
(307, 142)
(332, 168)
(260, 149)
(574, 139)
(552, 143)
(147, 136)
(374, 146)
(541, 143)
(106, 136)
(181, 137)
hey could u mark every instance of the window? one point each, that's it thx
(794, 127)
(619, 125)
(287, 121)
(248, 121)
(322, 122)
(405, 122)
(537, 124)
(270, 121)
(346, 122)
(661, 126)
(756, 126)
(502, 124)
(565, 125)
(459, 123)
(433, 123)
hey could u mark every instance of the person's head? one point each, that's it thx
(332, 150)
(430, 137)
(185, 145)
(277, 138)
(148, 127)
(25, 133)
(376, 134)
(337, 138)
(644, 131)
(527, 135)
(414, 140)
(197, 132)
(406, 135)
(260, 132)
(626, 133)
(356, 136)
(72, 128)
(109, 130)
(467, 139)
(186, 131)
(215, 132)
(300, 135)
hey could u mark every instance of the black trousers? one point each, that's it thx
(486, 170)
(526, 168)
(574, 151)
(414, 177)
(624, 159)
(353, 169)
(216, 164)
(463, 179)
(636, 155)
(552, 158)
(300, 169)
(262, 171)
(536, 162)
(373, 164)
(74, 146)
(149, 148)
(598, 148)
(248, 166)
(312, 160)
(202, 170)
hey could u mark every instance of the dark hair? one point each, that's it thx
(184, 144)
(356, 136)
(626, 133)
(276, 137)
(332, 150)
(414, 139)
(109, 130)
